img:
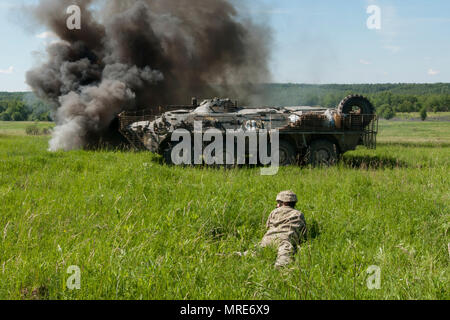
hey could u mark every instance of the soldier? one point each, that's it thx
(286, 226)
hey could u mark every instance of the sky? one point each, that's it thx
(319, 42)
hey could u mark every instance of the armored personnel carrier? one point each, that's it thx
(312, 135)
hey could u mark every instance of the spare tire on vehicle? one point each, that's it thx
(357, 105)
(352, 103)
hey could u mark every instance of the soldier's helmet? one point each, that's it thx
(287, 196)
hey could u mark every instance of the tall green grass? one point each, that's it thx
(415, 132)
(142, 230)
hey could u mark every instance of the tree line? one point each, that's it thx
(388, 99)
(23, 106)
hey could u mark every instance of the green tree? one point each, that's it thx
(389, 114)
(17, 116)
(386, 112)
(423, 114)
(5, 116)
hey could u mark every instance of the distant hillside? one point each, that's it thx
(387, 98)
(400, 97)
(404, 89)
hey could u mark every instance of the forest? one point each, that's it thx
(23, 106)
(388, 99)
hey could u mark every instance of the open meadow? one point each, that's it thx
(138, 229)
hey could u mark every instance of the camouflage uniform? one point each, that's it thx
(286, 226)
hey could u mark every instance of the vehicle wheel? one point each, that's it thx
(228, 162)
(177, 158)
(286, 154)
(356, 104)
(224, 157)
(322, 152)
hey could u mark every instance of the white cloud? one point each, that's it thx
(46, 35)
(362, 61)
(392, 48)
(10, 70)
(432, 72)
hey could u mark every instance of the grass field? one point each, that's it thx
(18, 128)
(141, 230)
(431, 116)
(414, 133)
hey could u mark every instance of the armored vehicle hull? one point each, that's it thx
(306, 134)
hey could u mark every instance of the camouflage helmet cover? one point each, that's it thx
(287, 196)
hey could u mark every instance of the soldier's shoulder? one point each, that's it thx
(288, 210)
(275, 211)
(296, 212)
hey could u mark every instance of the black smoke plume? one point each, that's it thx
(136, 54)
